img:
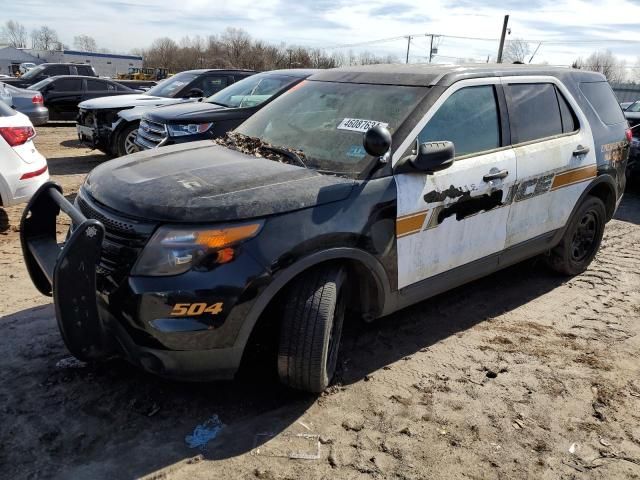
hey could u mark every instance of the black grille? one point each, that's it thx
(123, 242)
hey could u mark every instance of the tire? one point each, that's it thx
(124, 141)
(581, 240)
(311, 328)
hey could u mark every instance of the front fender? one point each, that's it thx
(134, 114)
(283, 277)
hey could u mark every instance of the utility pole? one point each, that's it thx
(502, 37)
(408, 45)
(431, 49)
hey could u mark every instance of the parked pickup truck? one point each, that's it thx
(110, 124)
(46, 70)
(360, 191)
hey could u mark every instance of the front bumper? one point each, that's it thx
(132, 318)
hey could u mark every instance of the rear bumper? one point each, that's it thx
(133, 320)
(38, 117)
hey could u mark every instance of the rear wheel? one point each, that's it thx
(125, 141)
(581, 240)
(311, 329)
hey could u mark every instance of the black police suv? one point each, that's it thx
(217, 114)
(363, 189)
(46, 70)
(63, 94)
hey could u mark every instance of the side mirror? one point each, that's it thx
(195, 93)
(377, 141)
(431, 157)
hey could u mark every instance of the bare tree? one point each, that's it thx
(85, 43)
(15, 33)
(45, 38)
(604, 62)
(516, 50)
(233, 49)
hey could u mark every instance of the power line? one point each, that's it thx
(460, 37)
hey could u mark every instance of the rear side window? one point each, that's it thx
(68, 85)
(468, 118)
(54, 70)
(84, 70)
(96, 86)
(603, 101)
(534, 111)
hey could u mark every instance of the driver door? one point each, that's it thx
(457, 217)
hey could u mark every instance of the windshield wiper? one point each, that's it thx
(285, 153)
(218, 103)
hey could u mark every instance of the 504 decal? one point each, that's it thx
(196, 309)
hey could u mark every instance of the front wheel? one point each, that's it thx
(581, 240)
(125, 141)
(311, 328)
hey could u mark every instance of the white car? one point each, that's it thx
(22, 168)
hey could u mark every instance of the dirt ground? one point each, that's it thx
(519, 375)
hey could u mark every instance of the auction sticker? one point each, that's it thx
(359, 125)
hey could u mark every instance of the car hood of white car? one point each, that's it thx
(124, 101)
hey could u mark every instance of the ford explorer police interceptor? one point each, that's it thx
(369, 188)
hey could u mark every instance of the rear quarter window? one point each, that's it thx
(601, 98)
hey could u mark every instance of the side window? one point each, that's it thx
(96, 86)
(68, 85)
(569, 119)
(469, 118)
(603, 101)
(210, 85)
(54, 70)
(534, 112)
(111, 87)
(84, 70)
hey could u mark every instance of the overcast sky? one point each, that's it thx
(578, 26)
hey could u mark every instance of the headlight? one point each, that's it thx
(175, 250)
(179, 130)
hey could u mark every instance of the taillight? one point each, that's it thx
(17, 135)
(37, 99)
(629, 135)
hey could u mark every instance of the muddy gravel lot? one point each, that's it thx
(519, 375)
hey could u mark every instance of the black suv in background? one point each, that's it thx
(217, 114)
(63, 94)
(47, 70)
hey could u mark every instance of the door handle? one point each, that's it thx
(580, 150)
(495, 175)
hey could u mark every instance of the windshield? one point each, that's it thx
(326, 121)
(171, 86)
(251, 91)
(634, 107)
(34, 72)
(40, 84)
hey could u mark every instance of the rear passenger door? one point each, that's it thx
(554, 152)
(457, 217)
(62, 98)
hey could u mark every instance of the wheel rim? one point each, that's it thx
(334, 336)
(129, 142)
(584, 238)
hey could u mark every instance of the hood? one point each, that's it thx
(202, 182)
(123, 101)
(187, 113)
